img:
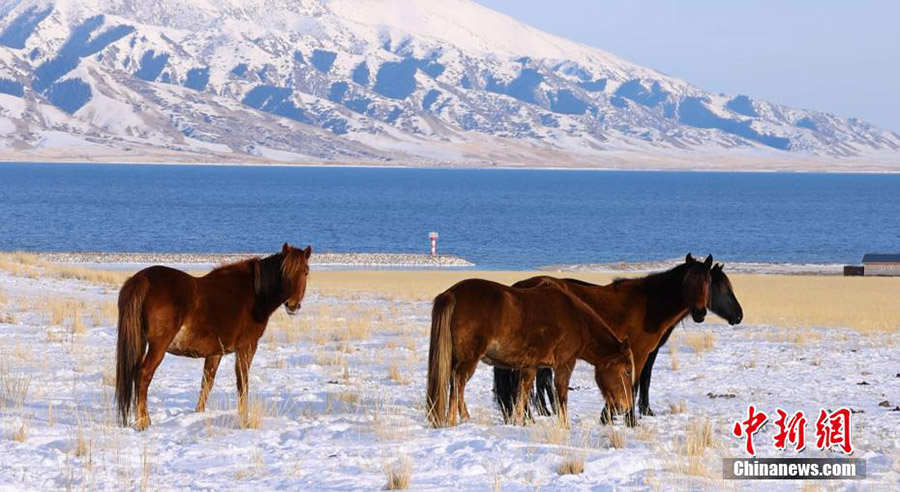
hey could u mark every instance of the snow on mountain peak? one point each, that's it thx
(368, 81)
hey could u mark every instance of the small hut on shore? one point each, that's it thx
(881, 264)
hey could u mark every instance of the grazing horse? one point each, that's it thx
(166, 310)
(520, 328)
(645, 310)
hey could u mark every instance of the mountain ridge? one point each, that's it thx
(374, 82)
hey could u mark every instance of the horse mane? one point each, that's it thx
(653, 280)
(267, 275)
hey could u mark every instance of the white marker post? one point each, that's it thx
(433, 236)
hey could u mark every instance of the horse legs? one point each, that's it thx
(644, 402)
(210, 366)
(243, 359)
(562, 373)
(644, 384)
(464, 372)
(526, 380)
(453, 412)
(544, 400)
(154, 356)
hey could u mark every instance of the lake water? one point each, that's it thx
(495, 218)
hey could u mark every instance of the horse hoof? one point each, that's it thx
(142, 424)
(647, 412)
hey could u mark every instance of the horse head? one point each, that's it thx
(616, 377)
(696, 286)
(722, 299)
(294, 273)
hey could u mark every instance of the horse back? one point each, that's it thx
(171, 292)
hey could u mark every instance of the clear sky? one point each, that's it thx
(839, 56)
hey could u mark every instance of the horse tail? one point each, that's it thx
(440, 353)
(132, 342)
(506, 390)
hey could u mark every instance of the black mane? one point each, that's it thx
(267, 280)
(655, 279)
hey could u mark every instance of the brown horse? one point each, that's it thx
(519, 328)
(166, 310)
(723, 302)
(643, 310)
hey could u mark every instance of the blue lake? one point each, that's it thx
(495, 218)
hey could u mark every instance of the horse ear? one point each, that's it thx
(709, 261)
(307, 252)
(285, 249)
(688, 258)
(718, 267)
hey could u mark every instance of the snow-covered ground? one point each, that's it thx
(340, 389)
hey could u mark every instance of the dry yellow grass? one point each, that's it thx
(396, 375)
(574, 466)
(700, 341)
(398, 474)
(677, 407)
(866, 304)
(551, 431)
(20, 431)
(615, 436)
(32, 266)
(698, 439)
(14, 388)
(689, 456)
(673, 355)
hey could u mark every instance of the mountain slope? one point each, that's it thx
(372, 81)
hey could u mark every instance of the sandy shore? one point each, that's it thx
(866, 304)
(798, 301)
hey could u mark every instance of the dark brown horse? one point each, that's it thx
(642, 310)
(723, 303)
(521, 329)
(166, 310)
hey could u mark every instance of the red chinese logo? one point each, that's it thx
(791, 431)
(751, 426)
(833, 429)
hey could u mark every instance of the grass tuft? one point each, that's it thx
(573, 466)
(398, 474)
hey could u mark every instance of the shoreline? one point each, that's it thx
(890, 170)
(732, 267)
(412, 261)
(123, 260)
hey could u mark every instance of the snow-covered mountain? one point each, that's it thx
(422, 82)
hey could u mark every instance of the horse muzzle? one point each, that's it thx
(736, 320)
(292, 310)
(698, 315)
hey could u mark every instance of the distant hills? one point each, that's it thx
(406, 82)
